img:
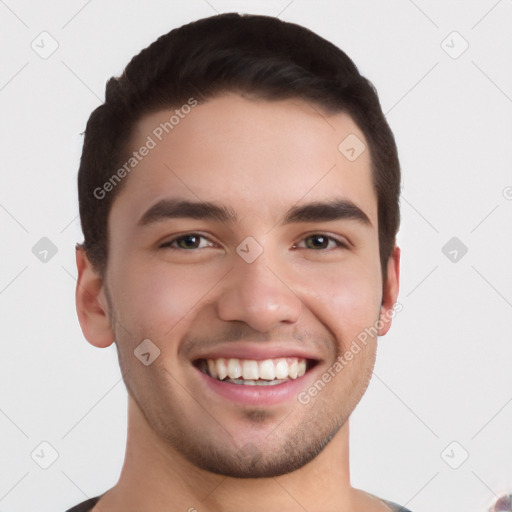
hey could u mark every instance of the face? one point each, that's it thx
(246, 242)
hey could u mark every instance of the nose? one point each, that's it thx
(257, 294)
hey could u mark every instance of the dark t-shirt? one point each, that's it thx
(86, 506)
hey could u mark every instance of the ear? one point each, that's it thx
(91, 303)
(390, 292)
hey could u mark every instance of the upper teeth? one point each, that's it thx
(250, 369)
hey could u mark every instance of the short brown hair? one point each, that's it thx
(251, 54)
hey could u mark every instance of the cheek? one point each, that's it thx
(356, 296)
(347, 296)
(155, 298)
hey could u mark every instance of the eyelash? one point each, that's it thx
(167, 245)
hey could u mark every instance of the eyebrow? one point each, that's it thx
(317, 211)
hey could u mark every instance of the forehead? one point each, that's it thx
(258, 156)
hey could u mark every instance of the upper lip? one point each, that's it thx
(258, 352)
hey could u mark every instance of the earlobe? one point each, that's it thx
(91, 303)
(390, 292)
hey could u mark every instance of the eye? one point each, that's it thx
(191, 241)
(186, 241)
(321, 241)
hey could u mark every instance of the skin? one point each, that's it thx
(185, 443)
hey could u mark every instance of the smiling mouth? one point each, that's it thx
(251, 372)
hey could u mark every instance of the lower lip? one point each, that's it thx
(257, 395)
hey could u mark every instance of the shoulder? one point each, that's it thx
(395, 507)
(370, 502)
(85, 506)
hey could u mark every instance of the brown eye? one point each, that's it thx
(317, 242)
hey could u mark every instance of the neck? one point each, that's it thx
(156, 477)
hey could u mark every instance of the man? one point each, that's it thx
(239, 200)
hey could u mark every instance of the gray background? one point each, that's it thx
(433, 430)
